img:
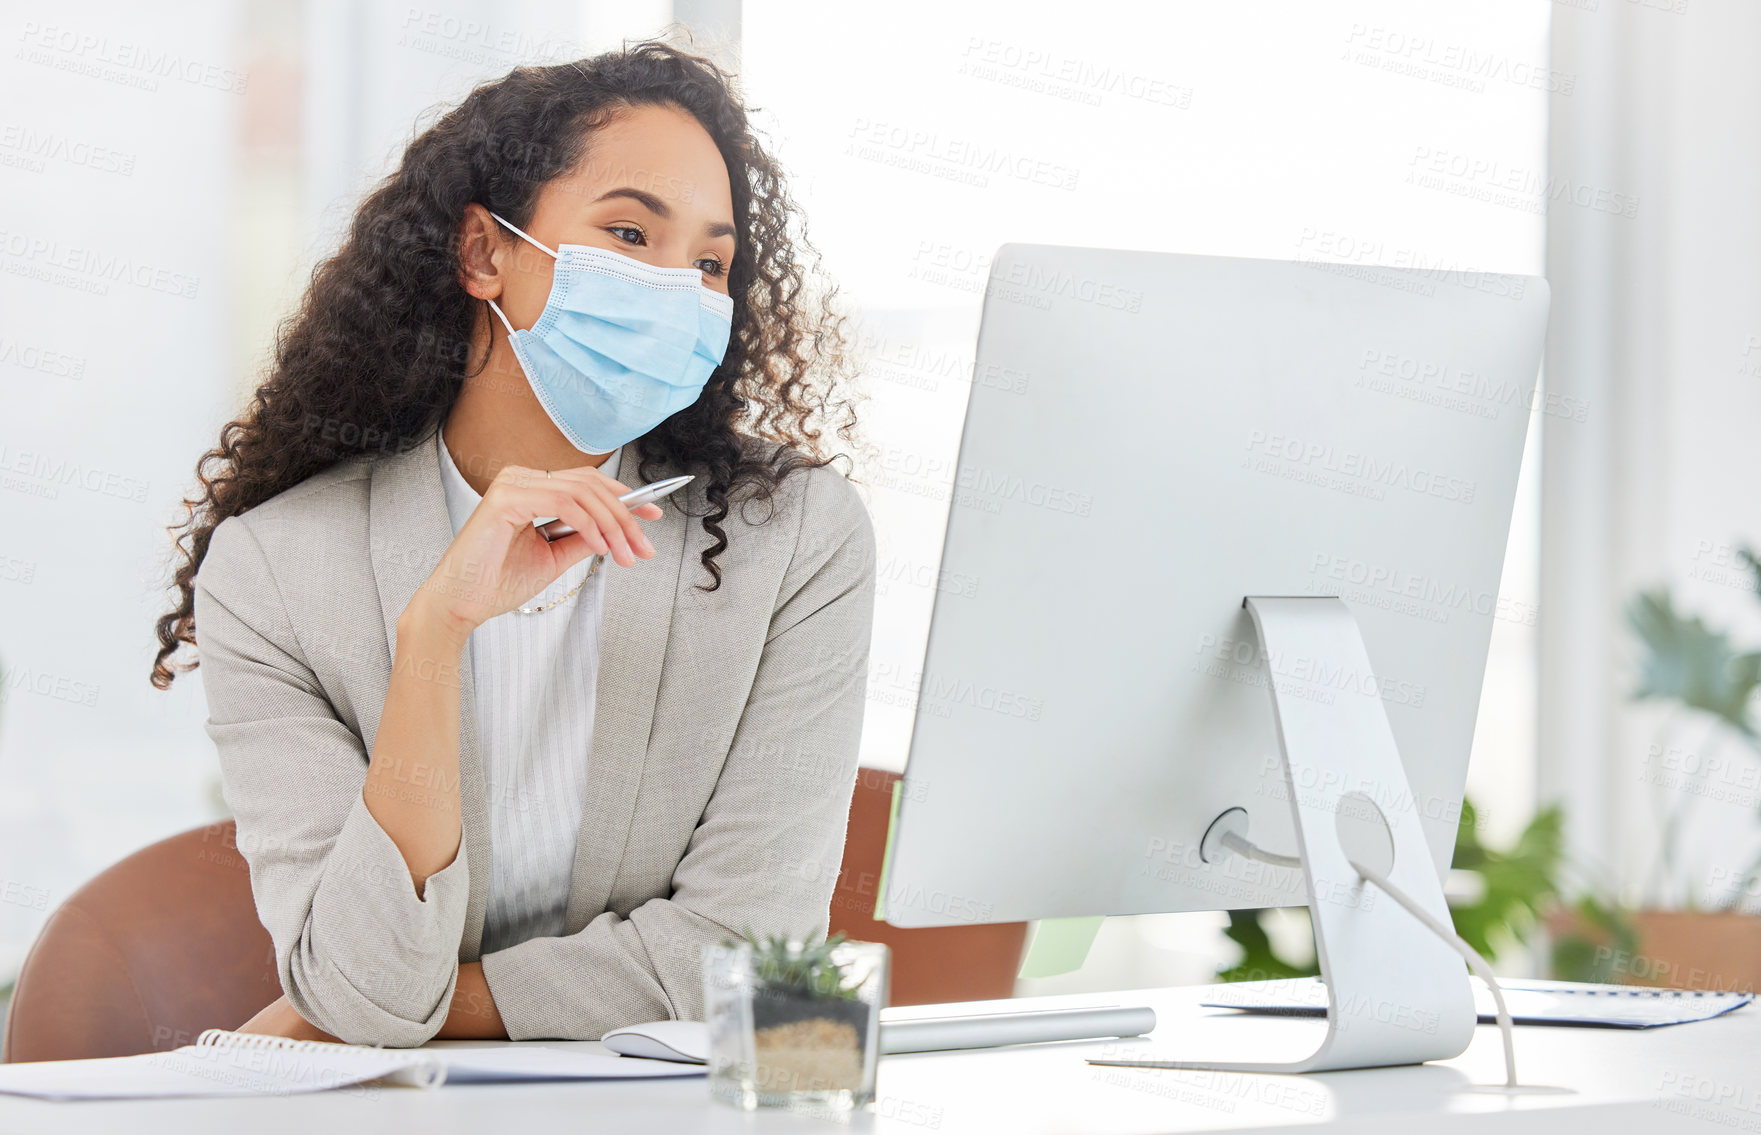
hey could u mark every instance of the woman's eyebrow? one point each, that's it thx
(661, 209)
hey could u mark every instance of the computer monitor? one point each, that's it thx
(1150, 439)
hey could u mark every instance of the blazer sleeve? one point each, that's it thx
(358, 953)
(766, 852)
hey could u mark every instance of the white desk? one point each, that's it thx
(1699, 1077)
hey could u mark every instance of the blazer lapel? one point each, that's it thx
(409, 530)
(638, 615)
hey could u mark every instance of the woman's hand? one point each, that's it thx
(499, 560)
(279, 1019)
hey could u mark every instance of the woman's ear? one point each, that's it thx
(479, 238)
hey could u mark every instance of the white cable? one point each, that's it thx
(1247, 849)
(1469, 954)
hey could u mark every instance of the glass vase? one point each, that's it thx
(772, 1044)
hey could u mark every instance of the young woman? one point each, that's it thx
(489, 784)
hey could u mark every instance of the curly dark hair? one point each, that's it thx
(381, 341)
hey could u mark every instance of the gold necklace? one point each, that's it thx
(571, 591)
(562, 598)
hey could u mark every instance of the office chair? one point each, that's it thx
(930, 964)
(145, 956)
(166, 943)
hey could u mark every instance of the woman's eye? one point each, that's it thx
(711, 266)
(619, 230)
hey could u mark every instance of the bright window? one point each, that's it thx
(921, 135)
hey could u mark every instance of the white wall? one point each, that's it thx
(378, 70)
(116, 175)
(1657, 327)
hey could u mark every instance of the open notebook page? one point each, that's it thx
(222, 1063)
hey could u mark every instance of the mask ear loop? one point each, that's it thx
(492, 304)
(524, 237)
(504, 319)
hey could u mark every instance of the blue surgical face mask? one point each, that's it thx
(621, 346)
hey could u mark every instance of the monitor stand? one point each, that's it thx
(1396, 994)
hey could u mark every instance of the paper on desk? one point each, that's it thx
(206, 1071)
(212, 1071)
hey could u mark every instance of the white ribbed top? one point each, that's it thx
(535, 677)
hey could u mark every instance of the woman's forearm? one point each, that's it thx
(473, 1015)
(412, 787)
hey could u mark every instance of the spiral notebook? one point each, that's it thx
(1530, 1002)
(223, 1063)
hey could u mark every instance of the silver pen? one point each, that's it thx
(554, 529)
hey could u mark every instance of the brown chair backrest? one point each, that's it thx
(145, 956)
(937, 963)
(166, 943)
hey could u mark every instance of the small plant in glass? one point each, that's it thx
(794, 1024)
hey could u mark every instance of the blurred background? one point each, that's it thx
(171, 173)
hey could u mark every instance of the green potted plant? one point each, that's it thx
(793, 1023)
(1670, 937)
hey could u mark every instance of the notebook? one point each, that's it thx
(223, 1063)
(1530, 1002)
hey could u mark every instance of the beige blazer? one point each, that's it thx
(724, 750)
